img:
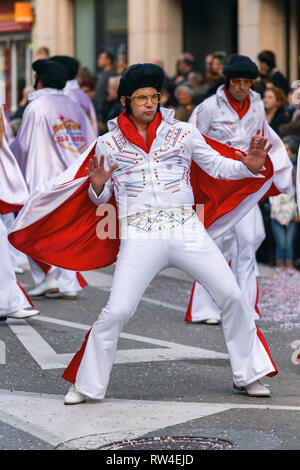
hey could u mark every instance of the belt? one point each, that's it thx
(157, 220)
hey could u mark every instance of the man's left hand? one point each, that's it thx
(256, 157)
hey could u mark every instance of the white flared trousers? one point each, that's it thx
(12, 296)
(239, 247)
(138, 262)
(66, 280)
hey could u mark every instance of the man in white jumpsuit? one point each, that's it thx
(145, 153)
(73, 90)
(53, 133)
(231, 116)
(14, 302)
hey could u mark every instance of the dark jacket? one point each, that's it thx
(282, 116)
(100, 91)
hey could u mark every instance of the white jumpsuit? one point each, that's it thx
(217, 119)
(144, 252)
(54, 131)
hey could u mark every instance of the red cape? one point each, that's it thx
(66, 237)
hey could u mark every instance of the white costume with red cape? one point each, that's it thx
(8, 130)
(54, 132)
(73, 91)
(18, 258)
(60, 218)
(217, 118)
(13, 194)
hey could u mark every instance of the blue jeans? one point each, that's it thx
(284, 238)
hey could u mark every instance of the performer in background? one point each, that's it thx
(18, 258)
(73, 90)
(231, 116)
(53, 133)
(14, 302)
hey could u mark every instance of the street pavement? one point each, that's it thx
(170, 378)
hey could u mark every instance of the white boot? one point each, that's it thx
(211, 321)
(22, 313)
(255, 389)
(48, 285)
(208, 321)
(73, 397)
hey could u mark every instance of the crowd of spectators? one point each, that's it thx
(192, 84)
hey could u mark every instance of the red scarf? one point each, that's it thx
(130, 132)
(235, 104)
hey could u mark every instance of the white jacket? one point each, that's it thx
(216, 118)
(160, 179)
(54, 132)
(283, 208)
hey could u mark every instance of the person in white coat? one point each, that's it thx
(231, 116)
(145, 153)
(53, 133)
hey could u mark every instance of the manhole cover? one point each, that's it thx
(171, 443)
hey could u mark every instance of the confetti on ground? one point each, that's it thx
(279, 297)
(172, 443)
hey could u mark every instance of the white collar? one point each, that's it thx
(220, 94)
(167, 115)
(44, 91)
(72, 85)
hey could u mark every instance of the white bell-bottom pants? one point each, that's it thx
(139, 261)
(239, 247)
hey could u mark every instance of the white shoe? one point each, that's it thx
(73, 397)
(23, 313)
(211, 321)
(256, 389)
(19, 270)
(208, 321)
(48, 285)
(61, 295)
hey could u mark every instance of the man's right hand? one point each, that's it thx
(98, 175)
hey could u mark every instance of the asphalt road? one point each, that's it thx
(170, 378)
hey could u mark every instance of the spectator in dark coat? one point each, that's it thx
(274, 103)
(184, 94)
(106, 65)
(217, 78)
(269, 72)
(292, 127)
(112, 106)
(196, 80)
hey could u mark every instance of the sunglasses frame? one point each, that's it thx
(148, 96)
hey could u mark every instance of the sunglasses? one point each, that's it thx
(141, 100)
(240, 81)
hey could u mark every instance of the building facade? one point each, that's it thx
(15, 50)
(144, 30)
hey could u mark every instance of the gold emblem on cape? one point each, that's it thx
(68, 135)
